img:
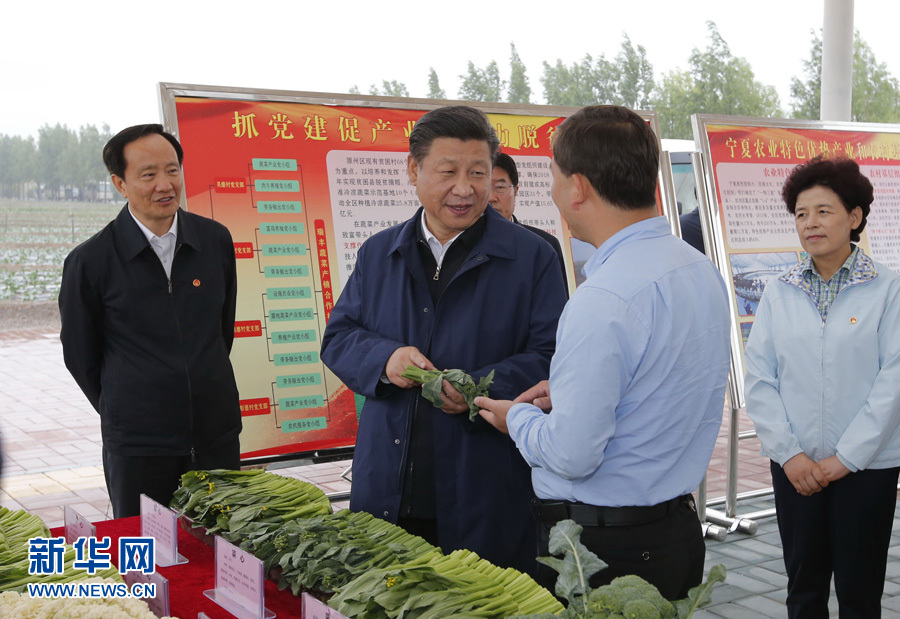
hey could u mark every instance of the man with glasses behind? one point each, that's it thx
(504, 189)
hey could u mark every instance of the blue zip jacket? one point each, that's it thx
(499, 312)
(149, 352)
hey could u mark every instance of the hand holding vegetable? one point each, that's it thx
(400, 360)
(433, 388)
(454, 401)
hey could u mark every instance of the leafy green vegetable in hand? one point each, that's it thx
(432, 382)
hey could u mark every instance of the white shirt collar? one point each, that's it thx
(173, 229)
(438, 249)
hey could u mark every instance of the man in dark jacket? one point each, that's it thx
(147, 307)
(423, 294)
(691, 232)
(504, 189)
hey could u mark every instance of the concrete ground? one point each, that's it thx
(51, 446)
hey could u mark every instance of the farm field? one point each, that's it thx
(36, 236)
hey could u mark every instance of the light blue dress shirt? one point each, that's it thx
(638, 378)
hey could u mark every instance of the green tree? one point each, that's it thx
(628, 80)
(391, 88)
(634, 76)
(61, 162)
(70, 163)
(18, 165)
(434, 86)
(89, 169)
(482, 84)
(519, 90)
(876, 93)
(675, 101)
(55, 157)
(806, 94)
(587, 82)
(9, 185)
(716, 82)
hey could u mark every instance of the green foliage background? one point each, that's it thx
(52, 187)
(715, 81)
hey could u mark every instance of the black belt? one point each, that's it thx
(551, 512)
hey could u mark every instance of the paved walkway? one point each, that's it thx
(51, 445)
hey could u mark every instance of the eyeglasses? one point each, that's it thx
(501, 188)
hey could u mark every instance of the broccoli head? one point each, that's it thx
(613, 599)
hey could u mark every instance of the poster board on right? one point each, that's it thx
(746, 161)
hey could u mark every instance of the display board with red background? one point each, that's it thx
(301, 180)
(746, 162)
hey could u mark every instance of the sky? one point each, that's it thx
(97, 61)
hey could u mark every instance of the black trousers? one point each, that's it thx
(128, 477)
(668, 553)
(846, 530)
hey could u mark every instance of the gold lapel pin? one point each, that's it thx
(197, 284)
(853, 320)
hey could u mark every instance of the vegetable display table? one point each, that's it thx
(188, 581)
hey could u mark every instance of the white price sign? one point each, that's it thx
(161, 523)
(317, 609)
(240, 583)
(77, 525)
(159, 604)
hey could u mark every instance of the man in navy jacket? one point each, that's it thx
(147, 307)
(456, 286)
(504, 190)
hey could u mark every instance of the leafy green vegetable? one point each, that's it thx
(326, 552)
(437, 586)
(234, 503)
(575, 568)
(630, 594)
(16, 528)
(701, 594)
(626, 597)
(432, 383)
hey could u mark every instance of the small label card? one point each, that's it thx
(311, 608)
(239, 583)
(77, 525)
(161, 523)
(158, 603)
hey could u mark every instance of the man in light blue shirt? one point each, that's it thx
(638, 377)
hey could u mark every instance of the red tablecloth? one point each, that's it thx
(188, 581)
